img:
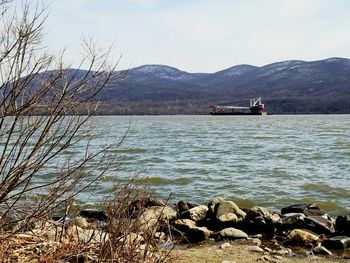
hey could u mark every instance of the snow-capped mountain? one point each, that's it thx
(292, 86)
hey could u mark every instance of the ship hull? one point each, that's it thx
(238, 113)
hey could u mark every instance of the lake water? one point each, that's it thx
(270, 161)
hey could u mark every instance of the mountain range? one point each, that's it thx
(292, 86)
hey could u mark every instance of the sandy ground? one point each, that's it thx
(238, 252)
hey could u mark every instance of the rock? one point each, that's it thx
(228, 218)
(81, 222)
(182, 206)
(198, 234)
(233, 233)
(343, 225)
(261, 220)
(184, 225)
(338, 242)
(293, 220)
(302, 237)
(268, 258)
(225, 245)
(196, 213)
(153, 217)
(320, 250)
(226, 207)
(298, 208)
(255, 249)
(94, 214)
(314, 211)
(267, 249)
(283, 251)
(256, 242)
(87, 235)
(319, 225)
(149, 202)
(213, 202)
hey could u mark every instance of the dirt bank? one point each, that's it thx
(241, 252)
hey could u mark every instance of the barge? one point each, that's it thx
(256, 108)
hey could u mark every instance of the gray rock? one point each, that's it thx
(196, 213)
(93, 214)
(198, 234)
(182, 206)
(293, 220)
(269, 258)
(302, 237)
(298, 208)
(255, 249)
(262, 220)
(212, 205)
(321, 250)
(184, 225)
(225, 207)
(319, 225)
(343, 225)
(338, 242)
(228, 218)
(87, 235)
(225, 245)
(283, 251)
(81, 222)
(233, 233)
(153, 217)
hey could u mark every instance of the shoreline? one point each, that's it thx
(219, 232)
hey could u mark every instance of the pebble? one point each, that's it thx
(255, 249)
(256, 242)
(225, 245)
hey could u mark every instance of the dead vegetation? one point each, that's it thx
(45, 108)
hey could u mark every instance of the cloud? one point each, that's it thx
(206, 35)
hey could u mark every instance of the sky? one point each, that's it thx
(202, 35)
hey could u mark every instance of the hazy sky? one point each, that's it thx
(204, 35)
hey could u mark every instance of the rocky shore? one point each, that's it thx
(218, 231)
(298, 230)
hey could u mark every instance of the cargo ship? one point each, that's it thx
(256, 108)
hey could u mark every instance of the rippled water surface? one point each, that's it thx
(266, 160)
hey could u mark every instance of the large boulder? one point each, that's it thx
(196, 213)
(92, 214)
(182, 206)
(155, 216)
(343, 225)
(338, 242)
(293, 220)
(319, 225)
(198, 234)
(220, 207)
(229, 218)
(262, 220)
(87, 235)
(301, 208)
(184, 225)
(301, 237)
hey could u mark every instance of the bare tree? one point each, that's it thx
(45, 107)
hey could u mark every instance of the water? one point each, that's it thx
(270, 161)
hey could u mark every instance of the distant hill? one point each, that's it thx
(291, 86)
